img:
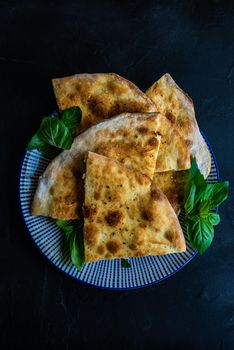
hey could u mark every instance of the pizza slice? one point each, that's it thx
(171, 101)
(125, 214)
(129, 138)
(100, 96)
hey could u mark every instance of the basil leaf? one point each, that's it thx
(199, 201)
(189, 218)
(125, 263)
(204, 207)
(37, 143)
(74, 235)
(216, 193)
(214, 218)
(201, 234)
(71, 117)
(55, 133)
(195, 177)
(66, 226)
(194, 170)
(77, 249)
(189, 203)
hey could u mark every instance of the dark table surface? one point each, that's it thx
(42, 308)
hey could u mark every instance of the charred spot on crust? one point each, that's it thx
(95, 105)
(148, 215)
(89, 212)
(90, 234)
(144, 215)
(113, 246)
(101, 249)
(97, 195)
(113, 218)
(143, 130)
(169, 236)
(115, 109)
(133, 246)
(153, 141)
(170, 116)
(156, 194)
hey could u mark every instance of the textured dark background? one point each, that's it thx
(141, 40)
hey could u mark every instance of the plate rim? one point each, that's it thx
(194, 255)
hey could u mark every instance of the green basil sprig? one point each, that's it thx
(74, 235)
(56, 131)
(201, 198)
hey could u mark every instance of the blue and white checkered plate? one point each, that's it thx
(104, 274)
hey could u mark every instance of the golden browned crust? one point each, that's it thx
(141, 222)
(174, 152)
(100, 96)
(178, 107)
(60, 192)
(172, 184)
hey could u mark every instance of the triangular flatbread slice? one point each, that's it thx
(124, 215)
(172, 184)
(100, 96)
(174, 153)
(178, 107)
(128, 138)
(103, 95)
